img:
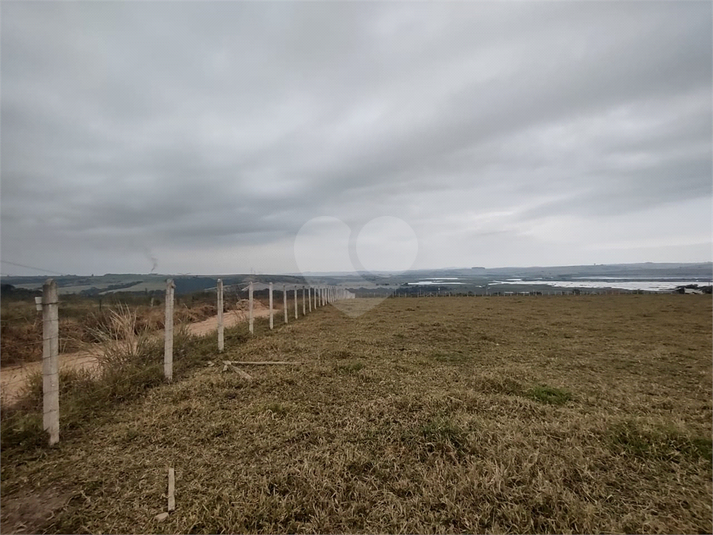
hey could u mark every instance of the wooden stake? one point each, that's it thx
(171, 489)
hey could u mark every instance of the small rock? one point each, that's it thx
(161, 517)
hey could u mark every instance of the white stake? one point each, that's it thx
(251, 321)
(168, 332)
(284, 297)
(50, 360)
(221, 339)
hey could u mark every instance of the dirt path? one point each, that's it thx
(14, 378)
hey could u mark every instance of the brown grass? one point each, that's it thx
(80, 321)
(561, 414)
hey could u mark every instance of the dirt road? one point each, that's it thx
(13, 378)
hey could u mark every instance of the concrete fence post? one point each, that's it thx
(304, 301)
(221, 336)
(168, 332)
(309, 297)
(50, 360)
(295, 303)
(284, 298)
(251, 321)
(271, 321)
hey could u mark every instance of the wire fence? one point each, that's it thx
(37, 337)
(125, 359)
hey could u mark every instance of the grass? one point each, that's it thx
(607, 429)
(549, 395)
(83, 320)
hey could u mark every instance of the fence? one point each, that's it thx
(49, 305)
(312, 298)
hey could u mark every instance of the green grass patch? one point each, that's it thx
(350, 368)
(451, 357)
(277, 409)
(439, 435)
(657, 443)
(549, 395)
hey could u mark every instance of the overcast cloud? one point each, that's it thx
(206, 134)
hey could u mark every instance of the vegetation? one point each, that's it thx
(83, 319)
(561, 414)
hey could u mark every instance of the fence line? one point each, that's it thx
(49, 305)
(322, 295)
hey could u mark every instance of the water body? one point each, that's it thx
(648, 285)
(439, 282)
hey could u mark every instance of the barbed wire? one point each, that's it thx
(16, 264)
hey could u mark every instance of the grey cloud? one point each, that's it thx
(186, 123)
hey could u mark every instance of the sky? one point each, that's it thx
(273, 137)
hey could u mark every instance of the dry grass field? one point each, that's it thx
(578, 414)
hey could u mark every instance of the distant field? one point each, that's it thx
(142, 286)
(522, 414)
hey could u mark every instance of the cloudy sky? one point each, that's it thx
(223, 137)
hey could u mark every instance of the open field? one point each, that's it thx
(535, 414)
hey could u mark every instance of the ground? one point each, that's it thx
(502, 414)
